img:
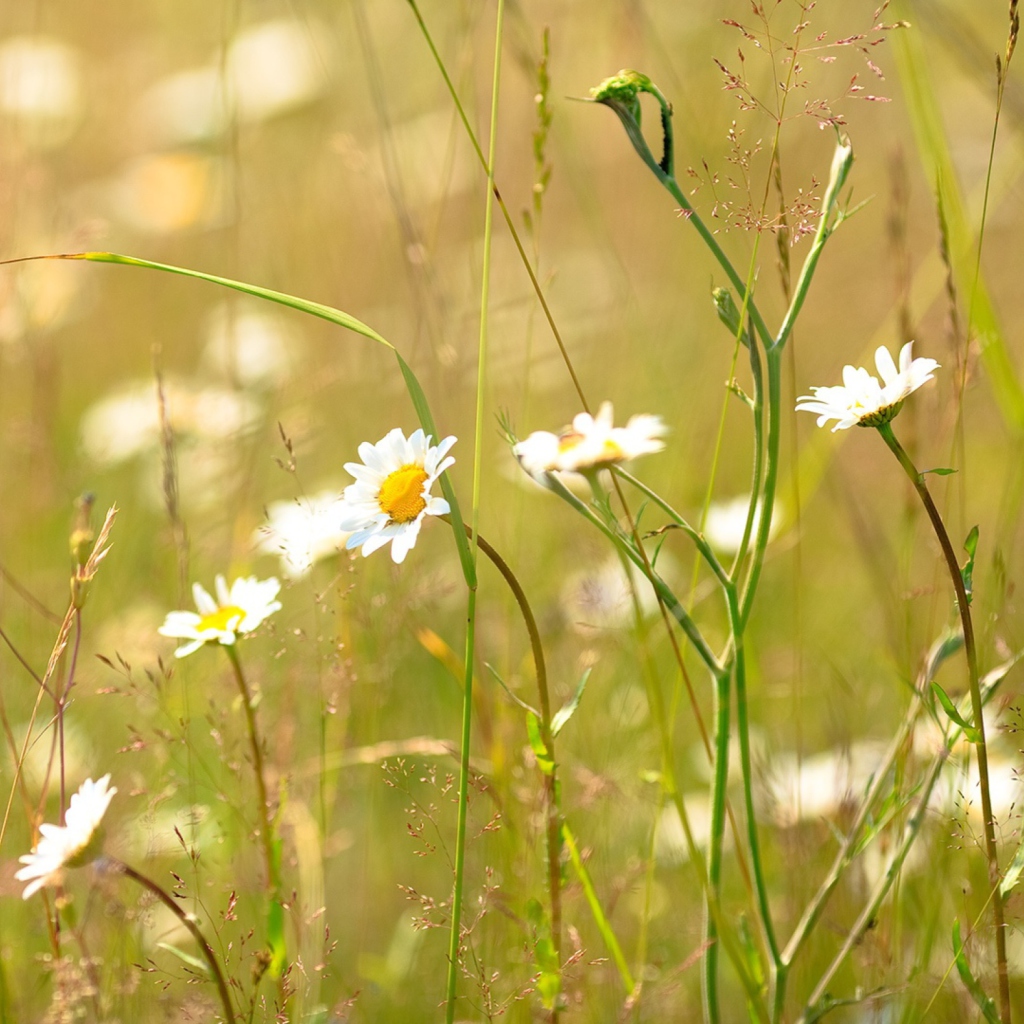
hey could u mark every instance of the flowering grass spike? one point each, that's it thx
(592, 442)
(77, 842)
(860, 400)
(391, 495)
(236, 611)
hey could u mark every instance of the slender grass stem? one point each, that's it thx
(509, 222)
(600, 918)
(910, 833)
(189, 922)
(970, 649)
(455, 935)
(813, 911)
(454, 940)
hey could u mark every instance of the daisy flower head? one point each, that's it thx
(391, 496)
(592, 442)
(861, 400)
(77, 842)
(235, 611)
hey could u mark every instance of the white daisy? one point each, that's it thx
(302, 532)
(391, 495)
(77, 842)
(860, 400)
(238, 610)
(592, 442)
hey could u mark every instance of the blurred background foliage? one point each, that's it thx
(312, 147)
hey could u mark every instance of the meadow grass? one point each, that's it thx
(688, 710)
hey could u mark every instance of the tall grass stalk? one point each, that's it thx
(454, 942)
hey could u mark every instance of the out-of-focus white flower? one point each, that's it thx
(40, 85)
(820, 785)
(236, 611)
(303, 531)
(270, 69)
(274, 68)
(391, 495)
(249, 345)
(592, 442)
(726, 520)
(601, 598)
(127, 422)
(670, 841)
(77, 842)
(860, 400)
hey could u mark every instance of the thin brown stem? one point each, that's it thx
(190, 924)
(970, 648)
(266, 835)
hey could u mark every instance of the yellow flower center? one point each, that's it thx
(221, 618)
(401, 494)
(569, 440)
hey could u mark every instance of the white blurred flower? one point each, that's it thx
(601, 598)
(592, 442)
(274, 68)
(726, 521)
(127, 422)
(860, 400)
(236, 611)
(77, 842)
(670, 840)
(820, 785)
(391, 495)
(40, 85)
(270, 69)
(303, 531)
(249, 345)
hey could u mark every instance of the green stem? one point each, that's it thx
(602, 922)
(813, 911)
(868, 915)
(467, 698)
(664, 592)
(700, 543)
(970, 649)
(189, 922)
(509, 222)
(714, 890)
(455, 936)
(554, 823)
(773, 360)
(743, 730)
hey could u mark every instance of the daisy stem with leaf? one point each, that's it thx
(963, 602)
(553, 828)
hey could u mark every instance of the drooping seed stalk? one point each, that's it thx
(189, 922)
